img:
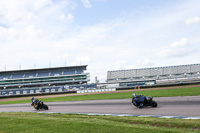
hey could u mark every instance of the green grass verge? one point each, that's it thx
(71, 123)
(155, 93)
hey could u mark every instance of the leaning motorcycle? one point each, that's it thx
(141, 101)
(40, 105)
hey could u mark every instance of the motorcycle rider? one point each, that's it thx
(139, 100)
(35, 101)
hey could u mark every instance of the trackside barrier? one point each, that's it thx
(46, 90)
(96, 90)
(19, 92)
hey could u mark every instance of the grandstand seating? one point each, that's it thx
(5, 76)
(17, 76)
(29, 75)
(48, 76)
(156, 73)
(79, 72)
(55, 73)
(69, 72)
(42, 74)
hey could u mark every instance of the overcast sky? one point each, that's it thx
(103, 34)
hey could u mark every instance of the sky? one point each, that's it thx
(106, 35)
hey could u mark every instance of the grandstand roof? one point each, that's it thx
(83, 67)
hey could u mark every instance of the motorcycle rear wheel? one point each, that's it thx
(45, 107)
(154, 104)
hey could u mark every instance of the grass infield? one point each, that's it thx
(71, 123)
(193, 91)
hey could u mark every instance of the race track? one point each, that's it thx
(187, 106)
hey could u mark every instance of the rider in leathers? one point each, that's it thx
(36, 101)
(140, 104)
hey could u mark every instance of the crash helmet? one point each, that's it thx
(134, 95)
(149, 98)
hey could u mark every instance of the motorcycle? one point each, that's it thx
(141, 101)
(40, 105)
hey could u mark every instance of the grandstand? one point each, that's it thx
(58, 76)
(155, 75)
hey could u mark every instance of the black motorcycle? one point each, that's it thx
(40, 105)
(141, 101)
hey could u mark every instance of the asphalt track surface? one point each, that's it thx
(187, 106)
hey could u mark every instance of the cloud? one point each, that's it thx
(176, 49)
(173, 52)
(180, 43)
(82, 60)
(124, 64)
(63, 56)
(32, 32)
(39, 4)
(119, 64)
(44, 31)
(194, 20)
(66, 18)
(145, 62)
(8, 33)
(86, 3)
(40, 12)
